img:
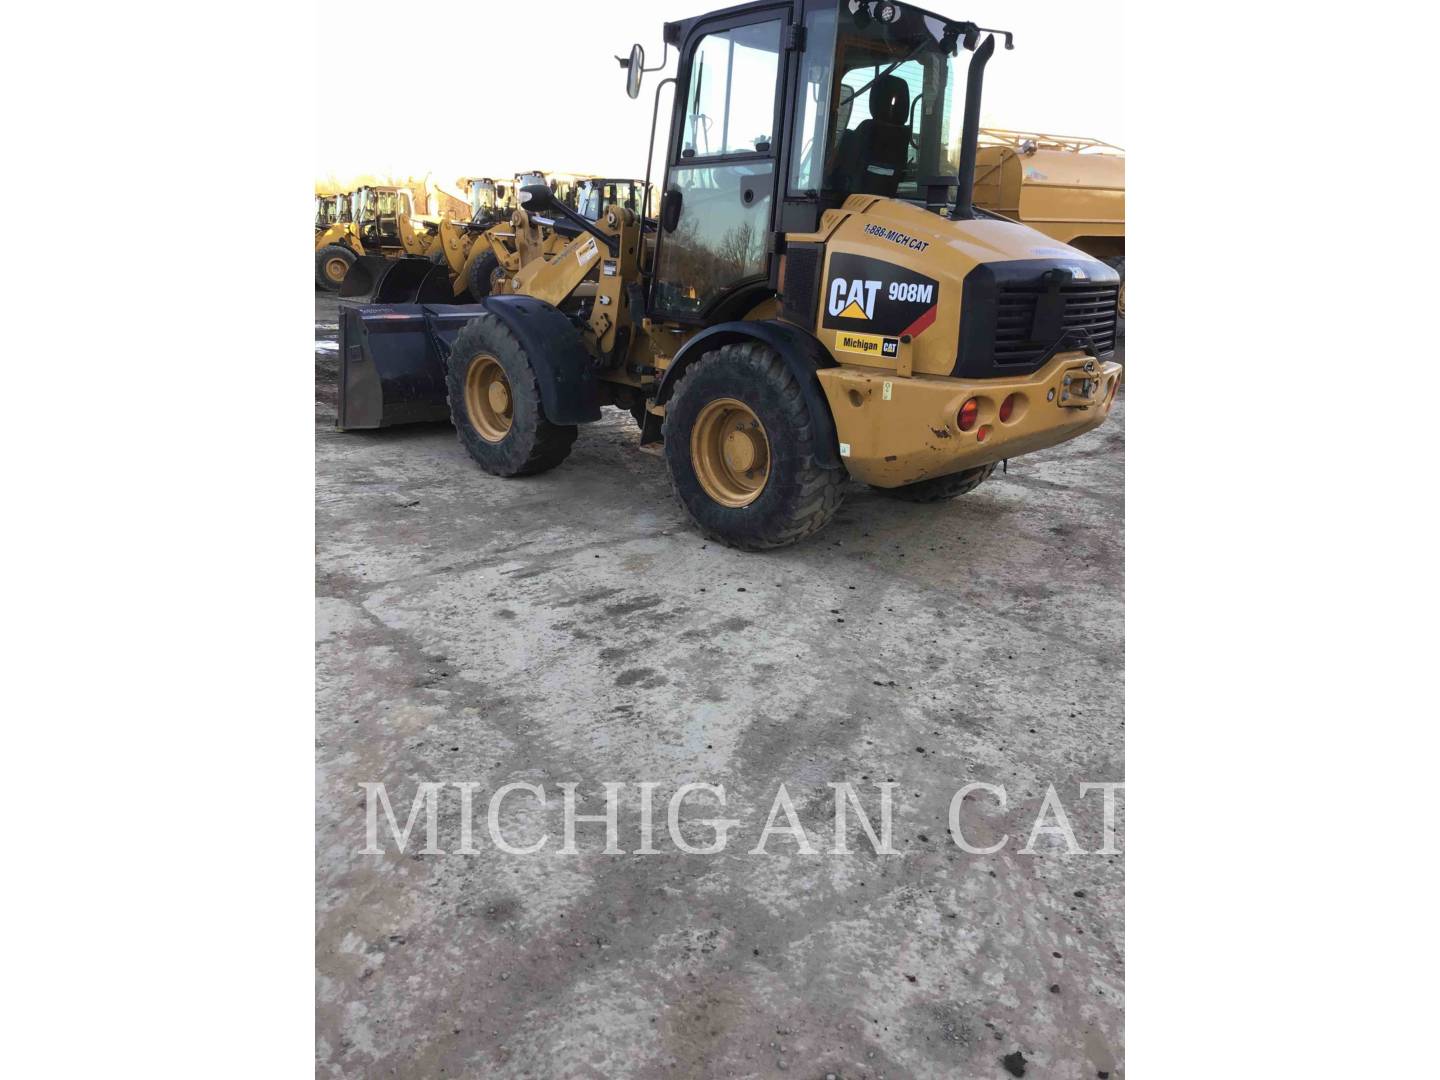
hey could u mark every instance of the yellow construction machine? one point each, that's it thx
(388, 221)
(483, 255)
(817, 302)
(331, 207)
(1069, 188)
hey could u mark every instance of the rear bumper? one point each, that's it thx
(895, 431)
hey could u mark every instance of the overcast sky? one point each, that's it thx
(566, 111)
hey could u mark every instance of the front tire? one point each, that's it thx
(741, 447)
(332, 263)
(482, 276)
(940, 487)
(495, 403)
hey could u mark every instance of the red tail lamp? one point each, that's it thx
(969, 413)
(982, 434)
(1006, 408)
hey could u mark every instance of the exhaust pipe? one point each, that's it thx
(970, 133)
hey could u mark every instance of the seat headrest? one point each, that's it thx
(890, 100)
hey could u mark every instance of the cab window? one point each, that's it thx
(730, 106)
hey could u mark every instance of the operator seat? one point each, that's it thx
(870, 157)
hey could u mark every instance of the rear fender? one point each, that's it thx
(801, 352)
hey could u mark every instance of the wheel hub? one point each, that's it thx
(500, 397)
(488, 401)
(335, 269)
(730, 452)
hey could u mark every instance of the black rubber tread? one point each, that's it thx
(329, 251)
(478, 281)
(801, 495)
(1118, 264)
(940, 487)
(533, 444)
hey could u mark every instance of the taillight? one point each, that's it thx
(1006, 408)
(982, 434)
(969, 412)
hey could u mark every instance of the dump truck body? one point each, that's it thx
(1076, 198)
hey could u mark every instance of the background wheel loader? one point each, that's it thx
(1069, 188)
(482, 255)
(820, 304)
(388, 222)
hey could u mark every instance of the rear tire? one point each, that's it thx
(332, 263)
(504, 429)
(766, 490)
(481, 276)
(940, 487)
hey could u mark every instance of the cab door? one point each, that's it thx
(715, 214)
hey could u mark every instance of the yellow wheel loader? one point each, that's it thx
(1071, 189)
(384, 239)
(386, 222)
(818, 303)
(483, 255)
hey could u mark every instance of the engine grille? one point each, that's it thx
(1088, 309)
(801, 294)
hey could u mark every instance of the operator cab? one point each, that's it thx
(379, 215)
(785, 110)
(485, 196)
(596, 193)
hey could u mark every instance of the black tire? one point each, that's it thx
(1118, 264)
(799, 495)
(940, 487)
(480, 275)
(532, 444)
(327, 257)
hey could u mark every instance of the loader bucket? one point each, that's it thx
(378, 280)
(392, 362)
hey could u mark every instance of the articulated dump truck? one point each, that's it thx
(818, 301)
(1071, 189)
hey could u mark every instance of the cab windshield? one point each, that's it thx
(886, 118)
(482, 199)
(381, 203)
(595, 195)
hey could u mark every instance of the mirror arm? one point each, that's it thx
(650, 157)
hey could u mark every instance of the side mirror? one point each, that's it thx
(634, 68)
(537, 198)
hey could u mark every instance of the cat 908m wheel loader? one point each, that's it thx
(819, 303)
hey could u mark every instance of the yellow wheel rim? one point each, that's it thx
(730, 452)
(488, 401)
(336, 269)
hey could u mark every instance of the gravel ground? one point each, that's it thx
(571, 628)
